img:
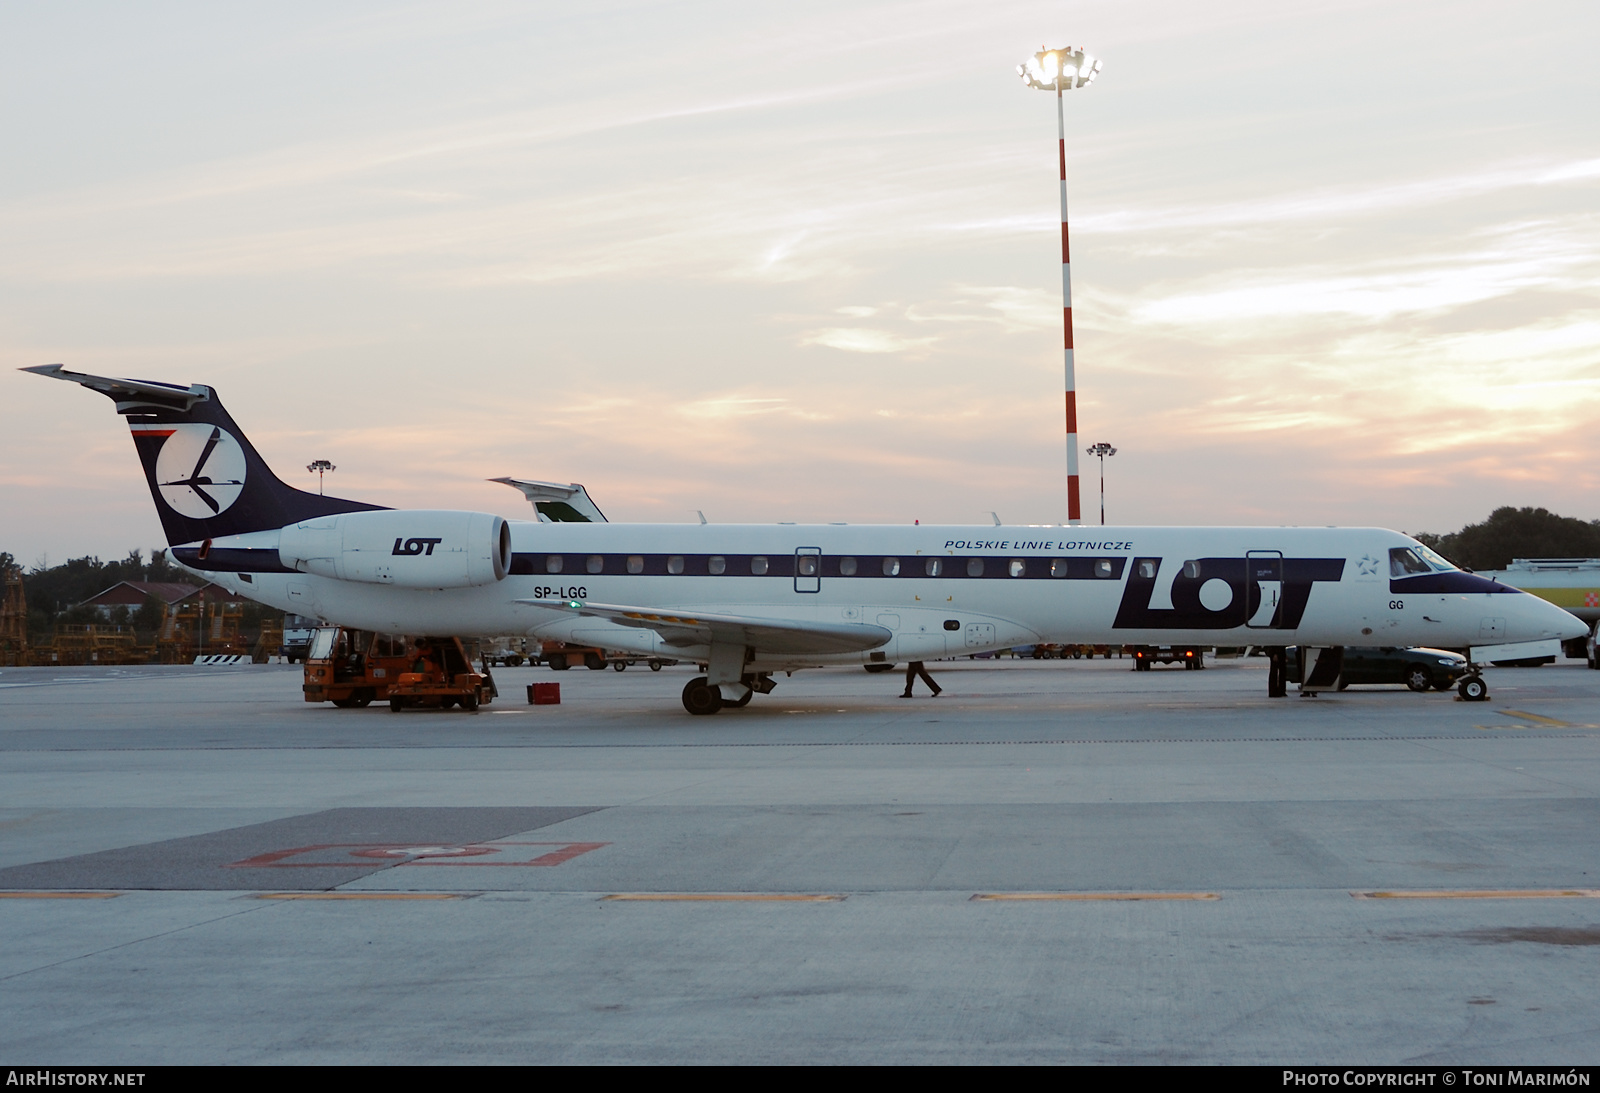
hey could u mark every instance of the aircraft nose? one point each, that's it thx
(1541, 619)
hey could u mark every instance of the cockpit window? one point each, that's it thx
(1405, 562)
(1432, 559)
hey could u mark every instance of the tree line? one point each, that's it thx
(1517, 533)
(55, 593)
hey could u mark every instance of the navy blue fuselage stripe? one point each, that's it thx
(1453, 581)
(783, 566)
(232, 559)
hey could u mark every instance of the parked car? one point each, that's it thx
(1418, 668)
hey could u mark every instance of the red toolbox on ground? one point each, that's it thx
(544, 694)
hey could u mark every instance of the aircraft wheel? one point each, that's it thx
(743, 702)
(620, 665)
(1473, 689)
(1418, 678)
(700, 699)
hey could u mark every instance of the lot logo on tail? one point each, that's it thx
(199, 470)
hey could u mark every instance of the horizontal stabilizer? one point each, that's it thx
(129, 393)
(557, 503)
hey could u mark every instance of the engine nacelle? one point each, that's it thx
(406, 548)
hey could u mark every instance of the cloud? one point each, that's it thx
(855, 339)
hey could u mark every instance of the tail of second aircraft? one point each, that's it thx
(207, 480)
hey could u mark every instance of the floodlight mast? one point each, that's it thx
(1102, 450)
(320, 467)
(1061, 70)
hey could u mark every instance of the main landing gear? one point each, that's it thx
(700, 697)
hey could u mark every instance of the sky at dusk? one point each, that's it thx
(1333, 263)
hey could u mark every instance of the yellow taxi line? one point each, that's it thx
(1487, 893)
(722, 897)
(1087, 896)
(357, 895)
(1533, 717)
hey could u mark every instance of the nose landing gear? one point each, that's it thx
(1473, 689)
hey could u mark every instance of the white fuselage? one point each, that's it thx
(942, 591)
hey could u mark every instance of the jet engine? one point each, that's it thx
(400, 547)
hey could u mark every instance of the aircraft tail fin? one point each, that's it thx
(207, 479)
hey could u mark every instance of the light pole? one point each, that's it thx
(1102, 450)
(320, 467)
(1061, 70)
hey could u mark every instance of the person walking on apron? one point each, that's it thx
(915, 669)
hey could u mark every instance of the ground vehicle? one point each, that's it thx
(297, 631)
(1419, 668)
(1146, 656)
(562, 655)
(354, 668)
(502, 652)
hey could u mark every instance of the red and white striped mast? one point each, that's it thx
(1061, 70)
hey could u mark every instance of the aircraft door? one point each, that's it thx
(808, 569)
(1265, 578)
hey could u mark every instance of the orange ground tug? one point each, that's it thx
(354, 668)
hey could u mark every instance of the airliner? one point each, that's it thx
(752, 601)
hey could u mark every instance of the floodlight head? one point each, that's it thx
(1066, 69)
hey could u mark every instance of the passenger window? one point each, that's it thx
(552, 563)
(891, 567)
(1017, 568)
(1058, 567)
(847, 567)
(1403, 562)
(1191, 570)
(635, 563)
(933, 567)
(952, 624)
(1103, 568)
(806, 565)
(974, 567)
(758, 566)
(716, 564)
(675, 564)
(1147, 570)
(595, 564)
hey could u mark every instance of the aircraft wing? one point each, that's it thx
(785, 636)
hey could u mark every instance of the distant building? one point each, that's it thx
(133, 594)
